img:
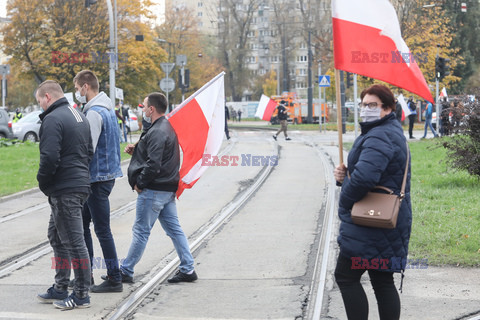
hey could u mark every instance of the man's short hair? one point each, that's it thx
(158, 101)
(49, 86)
(88, 77)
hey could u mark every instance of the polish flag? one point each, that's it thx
(443, 93)
(367, 40)
(265, 108)
(199, 123)
(405, 109)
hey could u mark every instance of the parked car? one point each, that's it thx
(132, 122)
(5, 125)
(27, 128)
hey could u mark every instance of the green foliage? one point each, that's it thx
(463, 149)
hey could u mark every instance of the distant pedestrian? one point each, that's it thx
(411, 117)
(282, 114)
(428, 120)
(154, 173)
(63, 175)
(239, 112)
(104, 169)
(398, 111)
(227, 117)
(18, 115)
(378, 158)
(234, 115)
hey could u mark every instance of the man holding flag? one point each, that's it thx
(154, 173)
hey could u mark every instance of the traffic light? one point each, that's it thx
(88, 3)
(186, 83)
(442, 69)
(349, 79)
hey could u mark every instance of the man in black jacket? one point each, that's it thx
(63, 175)
(153, 173)
(282, 116)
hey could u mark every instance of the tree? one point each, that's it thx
(269, 84)
(234, 25)
(45, 42)
(182, 37)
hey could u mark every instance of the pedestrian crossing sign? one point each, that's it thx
(323, 81)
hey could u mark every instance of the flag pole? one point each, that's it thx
(339, 116)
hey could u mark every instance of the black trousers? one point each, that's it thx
(354, 297)
(411, 121)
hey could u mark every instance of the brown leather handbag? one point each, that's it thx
(380, 210)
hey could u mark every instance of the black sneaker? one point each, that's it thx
(72, 301)
(288, 139)
(71, 283)
(125, 278)
(52, 295)
(108, 286)
(183, 277)
(275, 137)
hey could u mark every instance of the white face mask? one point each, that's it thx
(368, 114)
(148, 119)
(80, 98)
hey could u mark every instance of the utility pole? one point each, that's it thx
(284, 56)
(310, 88)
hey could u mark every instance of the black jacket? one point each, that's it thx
(156, 158)
(65, 150)
(282, 112)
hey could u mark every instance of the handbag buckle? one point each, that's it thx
(372, 212)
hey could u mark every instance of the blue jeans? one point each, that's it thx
(153, 205)
(428, 123)
(97, 209)
(65, 233)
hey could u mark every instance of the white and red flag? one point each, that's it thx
(443, 93)
(199, 123)
(265, 108)
(367, 40)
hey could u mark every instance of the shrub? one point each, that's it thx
(463, 148)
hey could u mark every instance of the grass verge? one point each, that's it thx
(445, 203)
(19, 167)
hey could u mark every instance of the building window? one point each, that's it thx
(200, 14)
(200, 4)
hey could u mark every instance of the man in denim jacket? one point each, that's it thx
(104, 169)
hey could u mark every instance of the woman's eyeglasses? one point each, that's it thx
(371, 105)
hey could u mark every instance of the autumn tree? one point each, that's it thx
(55, 39)
(179, 35)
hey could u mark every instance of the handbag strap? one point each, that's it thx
(402, 191)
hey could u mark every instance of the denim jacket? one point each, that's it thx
(105, 164)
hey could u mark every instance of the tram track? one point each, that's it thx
(168, 263)
(313, 308)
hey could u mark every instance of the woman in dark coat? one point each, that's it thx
(378, 158)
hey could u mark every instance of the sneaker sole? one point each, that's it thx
(43, 300)
(63, 308)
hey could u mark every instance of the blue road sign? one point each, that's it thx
(324, 81)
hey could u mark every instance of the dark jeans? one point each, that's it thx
(65, 233)
(411, 121)
(354, 297)
(97, 209)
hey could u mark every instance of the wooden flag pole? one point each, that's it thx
(339, 115)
